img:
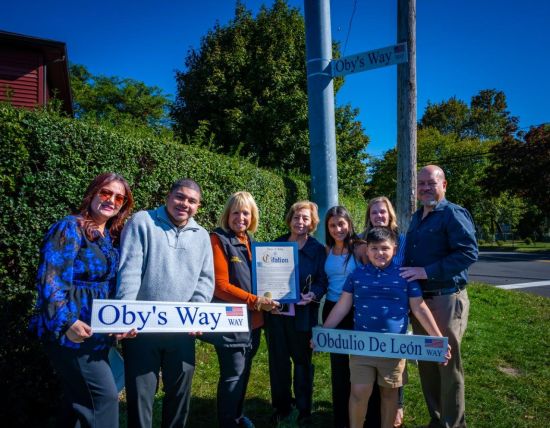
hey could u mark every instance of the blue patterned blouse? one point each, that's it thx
(73, 271)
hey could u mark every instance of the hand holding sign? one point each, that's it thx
(266, 303)
(78, 332)
(121, 316)
(128, 335)
(386, 345)
(447, 356)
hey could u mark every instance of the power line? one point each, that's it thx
(382, 155)
(349, 26)
(475, 155)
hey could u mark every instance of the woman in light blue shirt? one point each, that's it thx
(343, 256)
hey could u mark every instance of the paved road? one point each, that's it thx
(519, 271)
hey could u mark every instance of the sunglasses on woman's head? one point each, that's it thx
(106, 195)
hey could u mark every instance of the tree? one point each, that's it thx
(464, 162)
(486, 118)
(244, 91)
(448, 117)
(489, 118)
(351, 142)
(117, 100)
(493, 212)
(522, 167)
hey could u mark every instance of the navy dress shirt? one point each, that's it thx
(444, 244)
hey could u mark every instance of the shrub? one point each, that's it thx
(357, 207)
(46, 162)
(528, 241)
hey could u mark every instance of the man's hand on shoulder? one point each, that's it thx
(413, 273)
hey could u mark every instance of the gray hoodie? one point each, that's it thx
(161, 262)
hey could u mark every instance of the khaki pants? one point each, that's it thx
(443, 386)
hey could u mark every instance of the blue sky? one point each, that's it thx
(462, 47)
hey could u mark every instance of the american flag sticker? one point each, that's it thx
(234, 311)
(433, 343)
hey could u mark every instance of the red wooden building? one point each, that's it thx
(33, 70)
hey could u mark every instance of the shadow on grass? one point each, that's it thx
(259, 411)
(203, 413)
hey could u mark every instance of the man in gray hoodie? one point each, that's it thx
(164, 256)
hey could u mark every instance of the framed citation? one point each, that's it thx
(275, 271)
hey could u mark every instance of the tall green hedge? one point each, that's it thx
(46, 162)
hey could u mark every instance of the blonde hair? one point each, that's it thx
(392, 223)
(300, 205)
(240, 200)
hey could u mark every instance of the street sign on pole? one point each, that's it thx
(369, 60)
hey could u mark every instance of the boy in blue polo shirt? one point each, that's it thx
(381, 299)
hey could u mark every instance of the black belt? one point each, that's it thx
(442, 291)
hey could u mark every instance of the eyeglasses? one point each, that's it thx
(307, 288)
(106, 195)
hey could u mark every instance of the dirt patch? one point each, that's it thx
(510, 371)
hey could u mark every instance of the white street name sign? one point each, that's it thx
(364, 61)
(413, 347)
(119, 316)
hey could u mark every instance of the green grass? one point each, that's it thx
(505, 353)
(522, 247)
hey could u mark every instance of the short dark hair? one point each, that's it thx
(379, 234)
(186, 182)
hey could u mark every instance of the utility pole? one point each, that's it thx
(320, 90)
(406, 115)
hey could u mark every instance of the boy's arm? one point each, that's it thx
(340, 310)
(424, 315)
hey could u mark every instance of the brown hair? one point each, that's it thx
(351, 239)
(115, 224)
(300, 205)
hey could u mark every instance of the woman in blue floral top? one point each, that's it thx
(78, 263)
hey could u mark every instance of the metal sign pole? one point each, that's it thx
(322, 133)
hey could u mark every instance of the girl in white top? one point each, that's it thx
(343, 256)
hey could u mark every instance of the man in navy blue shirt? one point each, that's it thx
(440, 247)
